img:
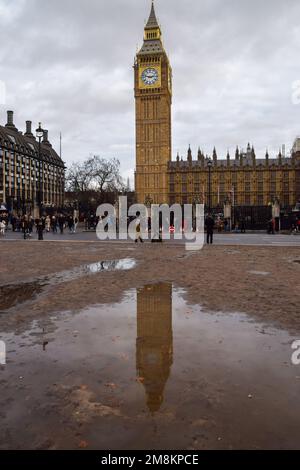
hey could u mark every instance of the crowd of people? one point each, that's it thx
(61, 222)
(27, 224)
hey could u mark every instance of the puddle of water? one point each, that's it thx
(131, 375)
(16, 294)
(94, 268)
(259, 273)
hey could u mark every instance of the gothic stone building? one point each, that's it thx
(22, 176)
(245, 179)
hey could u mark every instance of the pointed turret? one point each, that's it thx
(237, 153)
(267, 157)
(189, 155)
(152, 36)
(152, 21)
(199, 154)
(152, 28)
(253, 156)
(215, 156)
(228, 158)
(241, 157)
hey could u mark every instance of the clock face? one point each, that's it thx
(150, 76)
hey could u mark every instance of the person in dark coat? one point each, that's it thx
(243, 226)
(70, 224)
(40, 229)
(25, 226)
(209, 223)
(54, 224)
(61, 223)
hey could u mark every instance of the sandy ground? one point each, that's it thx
(219, 323)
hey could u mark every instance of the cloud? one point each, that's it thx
(69, 64)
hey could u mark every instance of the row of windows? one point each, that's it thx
(19, 161)
(150, 60)
(247, 187)
(260, 199)
(11, 166)
(151, 35)
(233, 177)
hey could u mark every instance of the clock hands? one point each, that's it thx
(150, 76)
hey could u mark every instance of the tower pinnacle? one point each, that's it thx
(152, 21)
(152, 28)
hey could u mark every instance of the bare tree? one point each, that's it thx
(95, 176)
(105, 174)
(78, 178)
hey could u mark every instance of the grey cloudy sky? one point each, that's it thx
(69, 64)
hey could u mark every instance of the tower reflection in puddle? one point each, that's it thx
(154, 344)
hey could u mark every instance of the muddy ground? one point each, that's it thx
(59, 391)
(261, 281)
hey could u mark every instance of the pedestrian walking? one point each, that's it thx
(40, 229)
(138, 231)
(71, 224)
(48, 223)
(75, 224)
(25, 227)
(210, 223)
(14, 223)
(61, 223)
(54, 224)
(243, 226)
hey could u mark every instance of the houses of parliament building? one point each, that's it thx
(245, 179)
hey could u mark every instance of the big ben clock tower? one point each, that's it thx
(153, 99)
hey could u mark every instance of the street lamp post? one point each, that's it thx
(39, 135)
(209, 164)
(148, 201)
(148, 204)
(196, 202)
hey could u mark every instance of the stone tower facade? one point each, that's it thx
(244, 179)
(153, 100)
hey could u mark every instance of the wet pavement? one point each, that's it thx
(17, 294)
(149, 372)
